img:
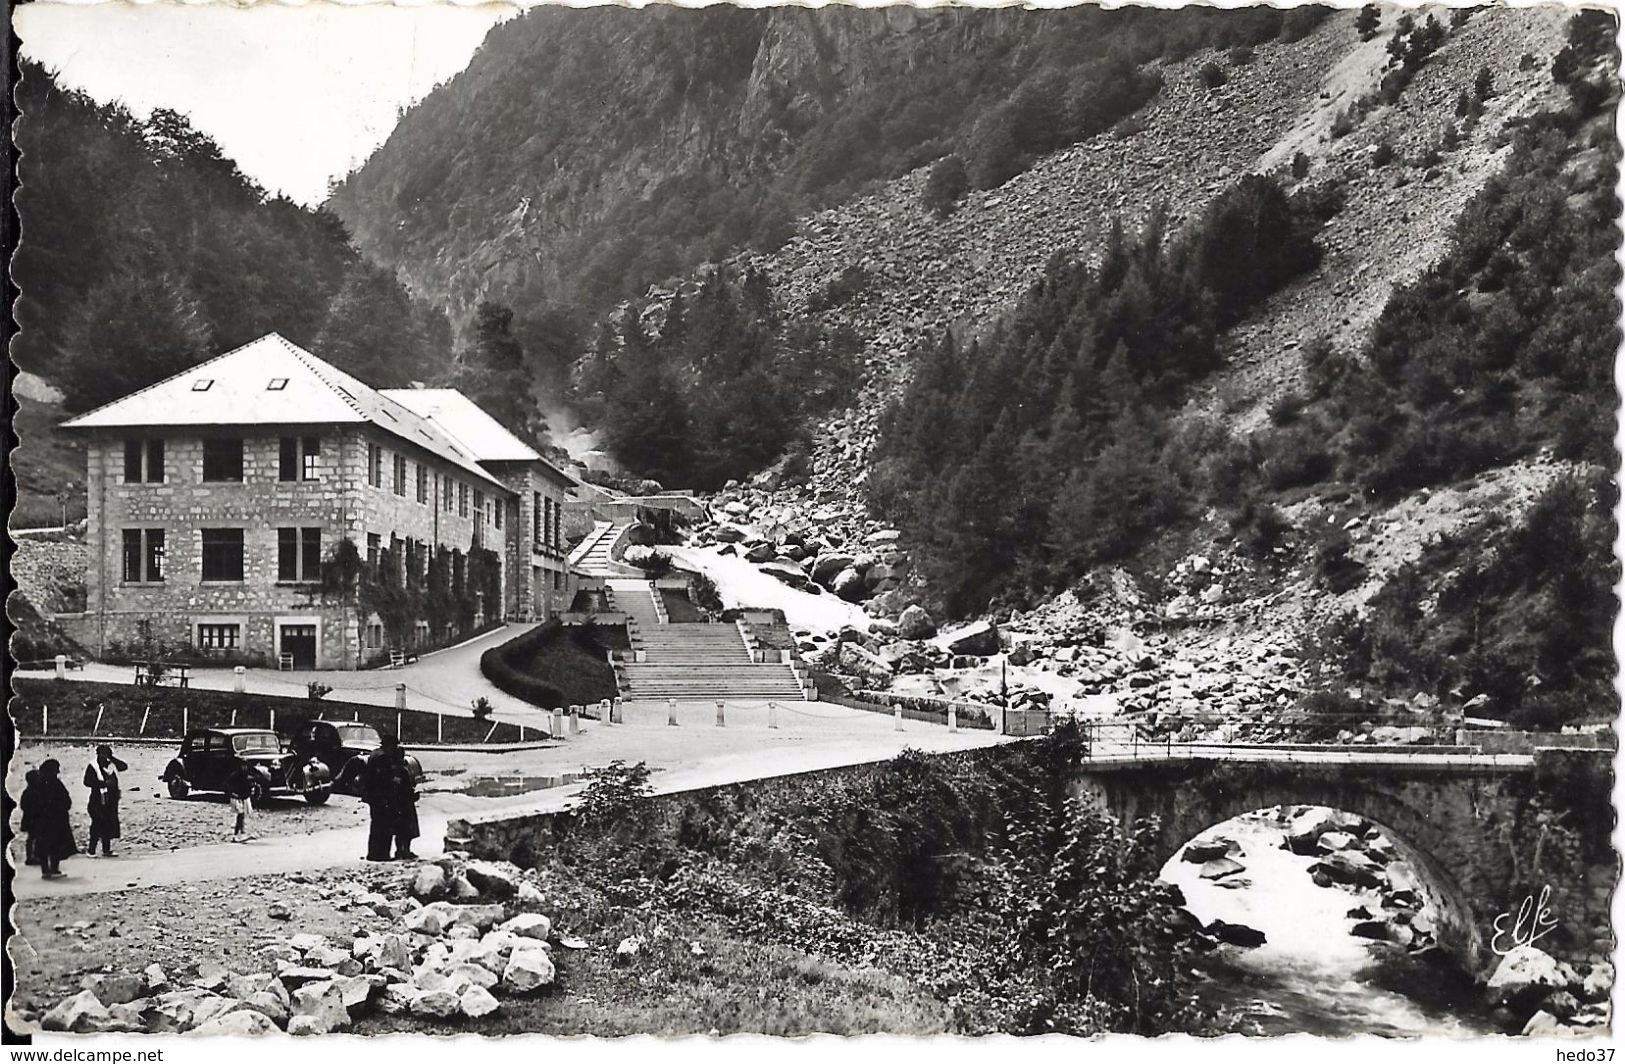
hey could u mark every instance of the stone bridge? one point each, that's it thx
(1478, 828)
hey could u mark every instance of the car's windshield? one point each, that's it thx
(255, 743)
(358, 733)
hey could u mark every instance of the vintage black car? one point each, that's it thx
(208, 757)
(344, 747)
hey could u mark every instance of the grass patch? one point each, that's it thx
(557, 665)
(74, 706)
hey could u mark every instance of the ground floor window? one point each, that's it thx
(219, 636)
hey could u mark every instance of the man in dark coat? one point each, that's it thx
(46, 804)
(390, 792)
(101, 776)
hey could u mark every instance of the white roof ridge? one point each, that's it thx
(158, 383)
(316, 371)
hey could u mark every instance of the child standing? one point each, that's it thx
(240, 793)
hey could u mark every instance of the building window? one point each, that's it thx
(375, 636)
(300, 458)
(462, 500)
(400, 475)
(143, 555)
(223, 554)
(143, 461)
(375, 465)
(373, 543)
(223, 459)
(423, 482)
(535, 519)
(445, 495)
(496, 511)
(219, 636)
(298, 555)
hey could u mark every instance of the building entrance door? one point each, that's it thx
(299, 641)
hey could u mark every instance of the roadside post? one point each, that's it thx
(772, 714)
(897, 716)
(671, 712)
(953, 718)
(62, 666)
(719, 714)
(237, 678)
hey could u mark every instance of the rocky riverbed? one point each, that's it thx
(1321, 927)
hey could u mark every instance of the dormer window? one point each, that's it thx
(277, 384)
(202, 384)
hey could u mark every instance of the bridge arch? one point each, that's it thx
(1445, 827)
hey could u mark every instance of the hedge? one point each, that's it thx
(499, 664)
(574, 674)
(74, 706)
(920, 707)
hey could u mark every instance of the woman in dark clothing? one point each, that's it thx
(46, 804)
(101, 776)
(27, 825)
(391, 793)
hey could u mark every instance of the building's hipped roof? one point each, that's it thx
(464, 421)
(273, 382)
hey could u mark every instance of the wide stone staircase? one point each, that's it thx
(691, 662)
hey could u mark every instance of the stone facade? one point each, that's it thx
(540, 583)
(267, 616)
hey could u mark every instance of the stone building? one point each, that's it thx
(216, 496)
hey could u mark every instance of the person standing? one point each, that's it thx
(46, 806)
(239, 790)
(390, 792)
(26, 826)
(101, 776)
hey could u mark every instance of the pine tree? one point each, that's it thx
(1367, 22)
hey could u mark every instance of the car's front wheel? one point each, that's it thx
(259, 794)
(318, 796)
(179, 788)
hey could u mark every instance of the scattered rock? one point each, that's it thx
(439, 1004)
(477, 1002)
(528, 970)
(323, 1003)
(81, 1014)
(278, 910)
(529, 925)
(1236, 934)
(118, 988)
(492, 880)
(238, 1022)
(430, 883)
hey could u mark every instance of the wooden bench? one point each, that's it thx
(285, 662)
(152, 674)
(397, 658)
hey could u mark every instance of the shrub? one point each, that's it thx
(317, 691)
(1260, 529)
(1383, 155)
(1300, 166)
(1483, 84)
(1287, 408)
(1344, 123)
(481, 707)
(846, 286)
(1211, 75)
(1367, 21)
(703, 591)
(1336, 569)
(947, 182)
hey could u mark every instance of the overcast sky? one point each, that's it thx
(296, 95)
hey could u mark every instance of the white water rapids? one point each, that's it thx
(1311, 975)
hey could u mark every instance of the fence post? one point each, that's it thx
(439, 727)
(233, 716)
(101, 707)
(400, 696)
(237, 678)
(62, 666)
(272, 721)
(575, 720)
(45, 718)
(606, 712)
(772, 714)
(897, 716)
(558, 723)
(720, 724)
(617, 709)
(186, 720)
(521, 732)
(953, 718)
(397, 725)
(144, 715)
(671, 712)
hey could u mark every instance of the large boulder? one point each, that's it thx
(830, 565)
(429, 920)
(429, 882)
(240, 1022)
(323, 1004)
(915, 623)
(268, 1003)
(866, 665)
(492, 880)
(1304, 831)
(786, 573)
(761, 552)
(1350, 866)
(529, 925)
(116, 988)
(1236, 934)
(1598, 982)
(436, 1004)
(81, 1014)
(477, 1002)
(849, 586)
(528, 970)
(1525, 976)
(978, 639)
(1205, 850)
(393, 952)
(1220, 867)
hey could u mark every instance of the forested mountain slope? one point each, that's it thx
(585, 154)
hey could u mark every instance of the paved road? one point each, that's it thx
(694, 754)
